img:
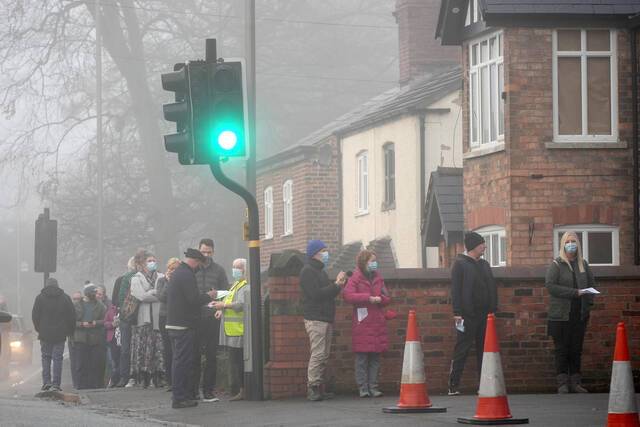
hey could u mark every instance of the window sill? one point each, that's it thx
(287, 235)
(267, 238)
(561, 145)
(363, 213)
(480, 151)
(389, 207)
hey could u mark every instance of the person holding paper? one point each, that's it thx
(319, 310)
(473, 297)
(567, 280)
(368, 294)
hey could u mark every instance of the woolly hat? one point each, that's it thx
(51, 281)
(472, 239)
(314, 246)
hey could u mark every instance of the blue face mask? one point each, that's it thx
(372, 265)
(152, 266)
(571, 247)
(325, 257)
(236, 273)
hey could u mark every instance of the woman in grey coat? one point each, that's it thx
(146, 340)
(569, 306)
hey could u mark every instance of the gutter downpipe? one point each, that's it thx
(636, 172)
(422, 116)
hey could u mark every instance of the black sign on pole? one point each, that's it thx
(46, 245)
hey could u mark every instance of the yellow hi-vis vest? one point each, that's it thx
(233, 320)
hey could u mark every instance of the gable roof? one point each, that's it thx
(418, 93)
(565, 7)
(509, 13)
(444, 215)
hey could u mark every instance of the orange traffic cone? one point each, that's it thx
(493, 406)
(623, 410)
(413, 387)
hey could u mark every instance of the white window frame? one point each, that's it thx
(586, 229)
(362, 183)
(475, 75)
(287, 199)
(583, 54)
(268, 213)
(476, 13)
(488, 233)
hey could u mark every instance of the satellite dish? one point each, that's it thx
(325, 155)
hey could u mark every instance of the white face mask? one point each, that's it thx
(152, 266)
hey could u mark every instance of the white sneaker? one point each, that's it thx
(131, 383)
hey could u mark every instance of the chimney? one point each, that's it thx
(419, 51)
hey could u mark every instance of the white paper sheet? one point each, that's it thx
(591, 291)
(362, 313)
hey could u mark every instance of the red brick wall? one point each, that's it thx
(316, 201)
(527, 352)
(576, 185)
(418, 48)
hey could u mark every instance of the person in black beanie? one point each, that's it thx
(473, 296)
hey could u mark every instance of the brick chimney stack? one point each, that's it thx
(419, 51)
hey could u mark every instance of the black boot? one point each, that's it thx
(576, 384)
(314, 394)
(563, 383)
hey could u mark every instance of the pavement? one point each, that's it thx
(152, 407)
(548, 410)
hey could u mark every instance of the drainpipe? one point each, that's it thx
(634, 109)
(422, 116)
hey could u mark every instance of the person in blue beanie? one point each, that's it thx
(319, 309)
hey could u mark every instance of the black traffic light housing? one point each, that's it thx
(46, 244)
(179, 111)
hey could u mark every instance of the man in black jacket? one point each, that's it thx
(319, 309)
(54, 318)
(210, 276)
(184, 302)
(474, 296)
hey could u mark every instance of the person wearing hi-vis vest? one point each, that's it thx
(232, 312)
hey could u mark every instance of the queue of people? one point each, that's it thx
(163, 329)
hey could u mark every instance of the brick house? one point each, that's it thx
(548, 125)
(300, 191)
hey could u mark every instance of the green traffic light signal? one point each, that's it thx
(227, 140)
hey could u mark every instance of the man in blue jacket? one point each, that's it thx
(473, 296)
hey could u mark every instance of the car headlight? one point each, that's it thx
(15, 344)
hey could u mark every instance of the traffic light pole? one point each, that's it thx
(254, 391)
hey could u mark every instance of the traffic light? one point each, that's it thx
(180, 142)
(46, 244)
(208, 111)
(226, 131)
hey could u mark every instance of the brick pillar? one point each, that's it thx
(286, 371)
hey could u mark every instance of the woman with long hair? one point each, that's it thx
(366, 291)
(146, 341)
(569, 306)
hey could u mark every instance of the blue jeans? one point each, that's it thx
(125, 350)
(182, 343)
(51, 351)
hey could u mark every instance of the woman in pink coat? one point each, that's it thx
(368, 294)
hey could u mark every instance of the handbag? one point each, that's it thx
(129, 309)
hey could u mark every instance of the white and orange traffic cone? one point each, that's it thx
(623, 409)
(493, 405)
(413, 387)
